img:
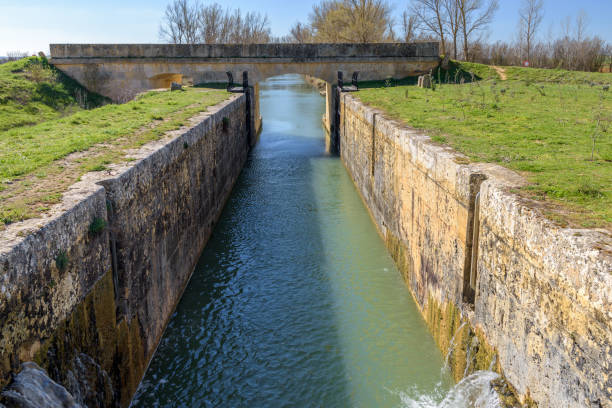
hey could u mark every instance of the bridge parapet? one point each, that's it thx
(293, 52)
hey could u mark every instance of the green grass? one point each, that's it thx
(32, 173)
(32, 91)
(535, 74)
(537, 122)
(558, 76)
(25, 149)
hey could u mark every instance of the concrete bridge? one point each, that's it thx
(119, 71)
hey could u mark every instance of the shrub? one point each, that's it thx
(61, 260)
(97, 225)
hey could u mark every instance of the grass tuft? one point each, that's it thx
(97, 225)
(61, 261)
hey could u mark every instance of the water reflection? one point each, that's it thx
(295, 301)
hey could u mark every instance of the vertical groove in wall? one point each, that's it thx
(476, 234)
(110, 211)
(373, 158)
(337, 91)
(343, 116)
(473, 225)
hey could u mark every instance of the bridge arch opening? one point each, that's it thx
(165, 80)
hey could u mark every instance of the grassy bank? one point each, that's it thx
(32, 91)
(552, 126)
(39, 162)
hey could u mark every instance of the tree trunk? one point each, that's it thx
(464, 31)
(465, 46)
(441, 28)
(528, 50)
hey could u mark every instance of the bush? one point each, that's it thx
(97, 225)
(61, 261)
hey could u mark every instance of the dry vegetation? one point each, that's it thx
(190, 22)
(462, 38)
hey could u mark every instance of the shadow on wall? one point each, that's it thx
(165, 80)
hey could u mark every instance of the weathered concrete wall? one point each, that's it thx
(91, 306)
(38, 291)
(119, 71)
(542, 306)
(545, 302)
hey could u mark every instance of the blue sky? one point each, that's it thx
(33, 25)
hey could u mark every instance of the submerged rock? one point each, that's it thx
(32, 388)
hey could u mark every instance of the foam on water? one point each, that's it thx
(474, 391)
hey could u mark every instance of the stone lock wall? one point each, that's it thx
(91, 305)
(540, 309)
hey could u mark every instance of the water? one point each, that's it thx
(472, 391)
(295, 301)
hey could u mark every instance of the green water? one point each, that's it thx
(295, 301)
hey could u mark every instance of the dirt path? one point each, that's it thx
(500, 71)
(33, 194)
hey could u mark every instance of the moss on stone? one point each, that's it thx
(446, 326)
(92, 328)
(130, 359)
(106, 320)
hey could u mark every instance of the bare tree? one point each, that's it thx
(301, 33)
(252, 28)
(352, 21)
(212, 22)
(575, 50)
(454, 21)
(180, 22)
(474, 16)
(256, 28)
(16, 55)
(410, 25)
(187, 22)
(371, 20)
(433, 18)
(530, 18)
(582, 22)
(326, 21)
